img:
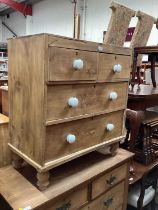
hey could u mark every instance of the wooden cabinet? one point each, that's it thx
(4, 139)
(65, 100)
(79, 184)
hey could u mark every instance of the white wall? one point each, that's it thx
(53, 16)
(56, 16)
(17, 22)
(98, 16)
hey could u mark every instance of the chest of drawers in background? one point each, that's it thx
(67, 98)
(90, 182)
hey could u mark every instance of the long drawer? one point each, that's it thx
(107, 181)
(70, 64)
(112, 200)
(72, 101)
(67, 138)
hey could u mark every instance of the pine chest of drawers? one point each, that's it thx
(90, 182)
(67, 98)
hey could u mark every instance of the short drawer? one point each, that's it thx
(72, 101)
(70, 137)
(71, 65)
(107, 181)
(71, 201)
(112, 200)
(114, 67)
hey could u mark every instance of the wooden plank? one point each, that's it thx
(142, 30)
(68, 43)
(26, 94)
(17, 191)
(4, 139)
(118, 26)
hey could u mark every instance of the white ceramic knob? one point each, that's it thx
(73, 101)
(110, 126)
(71, 138)
(117, 68)
(78, 64)
(113, 95)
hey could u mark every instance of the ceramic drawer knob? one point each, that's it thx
(113, 95)
(73, 102)
(117, 68)
(71, 138)
(78, 64)
(110, 126)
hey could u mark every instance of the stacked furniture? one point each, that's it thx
(91, 182)
(67, 98)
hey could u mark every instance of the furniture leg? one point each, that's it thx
(135, 119)
(43, 180)
(153, 60)
(114, 148)
(17, 161)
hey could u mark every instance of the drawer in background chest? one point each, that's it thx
(71, 65)
(112, 200)
(78, 101)
(107, 181)
(113, 67)
(67, 138)
(72, 201)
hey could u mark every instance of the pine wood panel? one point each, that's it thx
(61, 64)
(118, 25)
(93, 99)
(26, 94)
(4, 139)
(142, 30)
(111, 200)
(19, 192)
(88, 132)
(65, 42)
(108, 180)
(106, 63)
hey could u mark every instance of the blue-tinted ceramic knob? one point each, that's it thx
(71, 138)
(78, 64)
(117, 68)
(73, 102)
(113, 95)
(110, 126)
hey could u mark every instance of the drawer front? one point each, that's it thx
(72, 201)
(112, 200)
(91, 99)
(70, 64)
(70, 137)
(107, 181)
(107, 64)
